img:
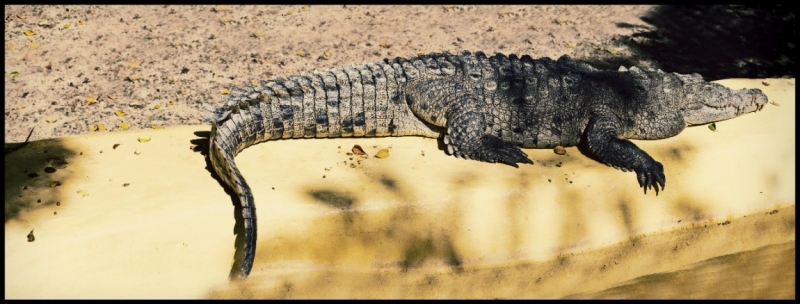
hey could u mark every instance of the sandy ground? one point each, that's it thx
(68, 68)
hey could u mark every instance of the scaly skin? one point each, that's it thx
(484, 108)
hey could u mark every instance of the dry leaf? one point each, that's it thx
(33, 45)
(301, 53)
(14, 74)
(101, 127)
(29, 32)
(224, 92)
(357, 150)
(119, 113)
(157, 127)
(289, 12)
(611, 51)
(82, 193)
(91, 99)
(115, 146)
(144, 140)
(9, 46)
(112, 97)
(326, 54)
(571, 45)
(20, 107)
(382, 153)
(157, 106)
(66, 26)
(50, 120)
(766, 84)
(21, 16)
(384, 44)
(134, 65)
(31, 238)
(124, 126)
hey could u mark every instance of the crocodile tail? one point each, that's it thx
(222, 160)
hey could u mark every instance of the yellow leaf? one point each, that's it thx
(384, 44)
(124, 126)
(91, 99)
(119, 113)
(157, 106)
(101, 127)
(93, 128)
(382, 153)
(134, 65)
(9, 46)
(157, 127)
(33, 45)
(171, 79)
(171, 103)
(20, 107)
(301, 53)
(112, 97)
(611, 51)
(326, 54)
(289, 12)
(66, 26)
(571, 45)
(144, 140)
(29, 32)
(224, 92)
(50, 120)
(183, 93)
(14, 74)
(20, 16)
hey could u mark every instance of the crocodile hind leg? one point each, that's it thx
(466, 137)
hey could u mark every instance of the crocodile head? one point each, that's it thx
(707, 102)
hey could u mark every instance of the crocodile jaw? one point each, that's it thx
(711, 102)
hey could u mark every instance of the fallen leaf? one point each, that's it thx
(224, 92)
(144, 140)
(289, 12)
(82, 193)
(124, 126)
(119, 113)
(115, 146)
(382, 153)
(137, 152)
(384, 44)
(99, 127)
(326, 54)
(29, 32)
(112, 97)
(50, 120)
(33, 45)
(20, 107)
(14, 74)
(712, 127)
(357, 150)
(301, 53)
(571, 45)
(66, 26)
(156, 127)
(611, 51)
(31, 238)
(9, 46)
(134, 65)
(21, 16)
(91, 99)
(157, 106)
(766, 84)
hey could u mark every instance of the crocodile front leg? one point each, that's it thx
(602, 141)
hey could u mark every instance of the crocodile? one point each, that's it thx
(484, 108)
